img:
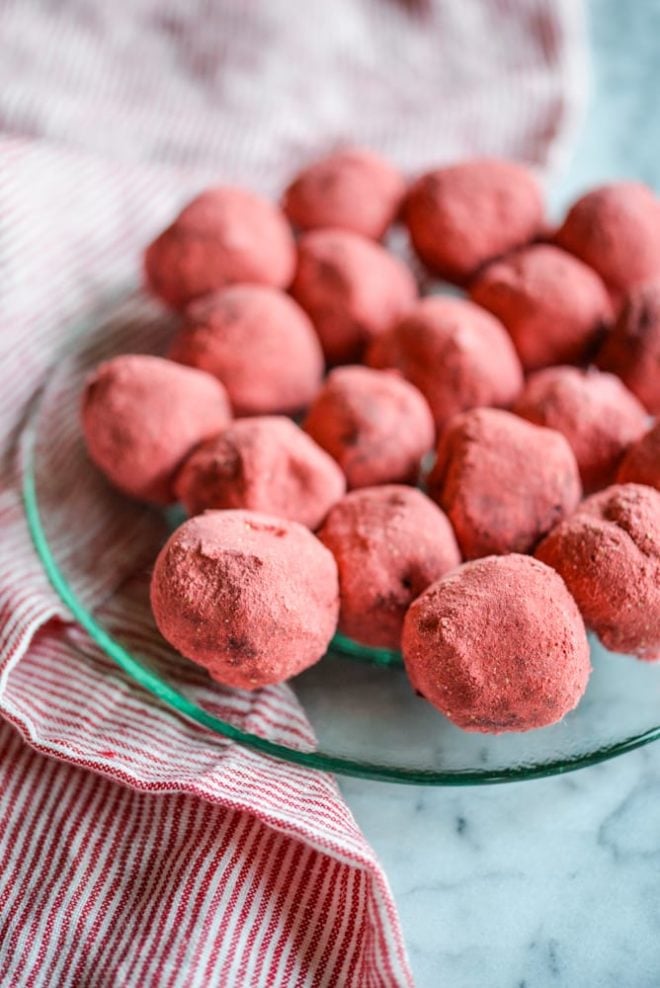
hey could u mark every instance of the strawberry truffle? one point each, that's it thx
(462, 216)
(595, 411)
(641, 464)
(390, 543)
(252, 598)
(503, 482)
(225, 235)
(632, 349)
(615, 229)
(498, 645)
(259, 343)
(456, 354)
(608, 554)
(352, 289)
(353, 190)
(265, 464)
(143, 415)
(554, 307)
(375, 425)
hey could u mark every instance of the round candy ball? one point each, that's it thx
(352, 289)
(498, 645)
(390, 543)
(608, 554)
(554, 306)
(632, 349)
(224, 236)
(264, 464)
(503, 482)
(462, 216)
(458, 355)
(594, 411)
(259, 343)
(252, 598)
(143, 415)
(615, 229)
(354, 189)
(641, 464)
(375, 425)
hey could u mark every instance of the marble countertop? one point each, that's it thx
(554, 882)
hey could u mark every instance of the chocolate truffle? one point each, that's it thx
(375, 425)
(252, 598)
(498, 645)
(458, 355)
(353, 190)
(503, 482)
(143, 415)
(351, 288)
(259, 343)
(265, 464)
(554, 306)
(462, 216)
(608, 554)
(389, 543)
(595, 411)
(224, 236)
(641, 464)
(615, 229)
(632, 349)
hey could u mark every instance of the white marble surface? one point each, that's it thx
(554, 882)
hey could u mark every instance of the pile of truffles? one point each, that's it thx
(409, 471)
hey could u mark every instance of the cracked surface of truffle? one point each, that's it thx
(632, 349)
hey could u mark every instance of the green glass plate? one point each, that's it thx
(367, 720)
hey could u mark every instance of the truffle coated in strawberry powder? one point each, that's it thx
(253, 598)
(377, 426)
(632, 349)
(462, 216)
(224, 236)
(143, 415)
(390, 543)
(594, 411)
(641, 464)
(503, 482)
(258, 342)
(264, 464)
(554, 307)
(354, 190)
(615, 229)
(351, 288)
(458, 355)
(498, 645)
(608, 554)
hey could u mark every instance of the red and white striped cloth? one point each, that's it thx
(146, 850)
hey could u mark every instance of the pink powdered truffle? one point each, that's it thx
(462, 216)
(595, 411)
(224, 236)
(458, 355)
(632, 349)
(259, 343)
(615, 229)
(608, 554)
(498, 645)
(254, 599)
(354, 190)
(389, 543)
(641, 464)
(352, 289)
(264, 464)
(554, 306)
(143, 415)
(503, 482)
(375, 425)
